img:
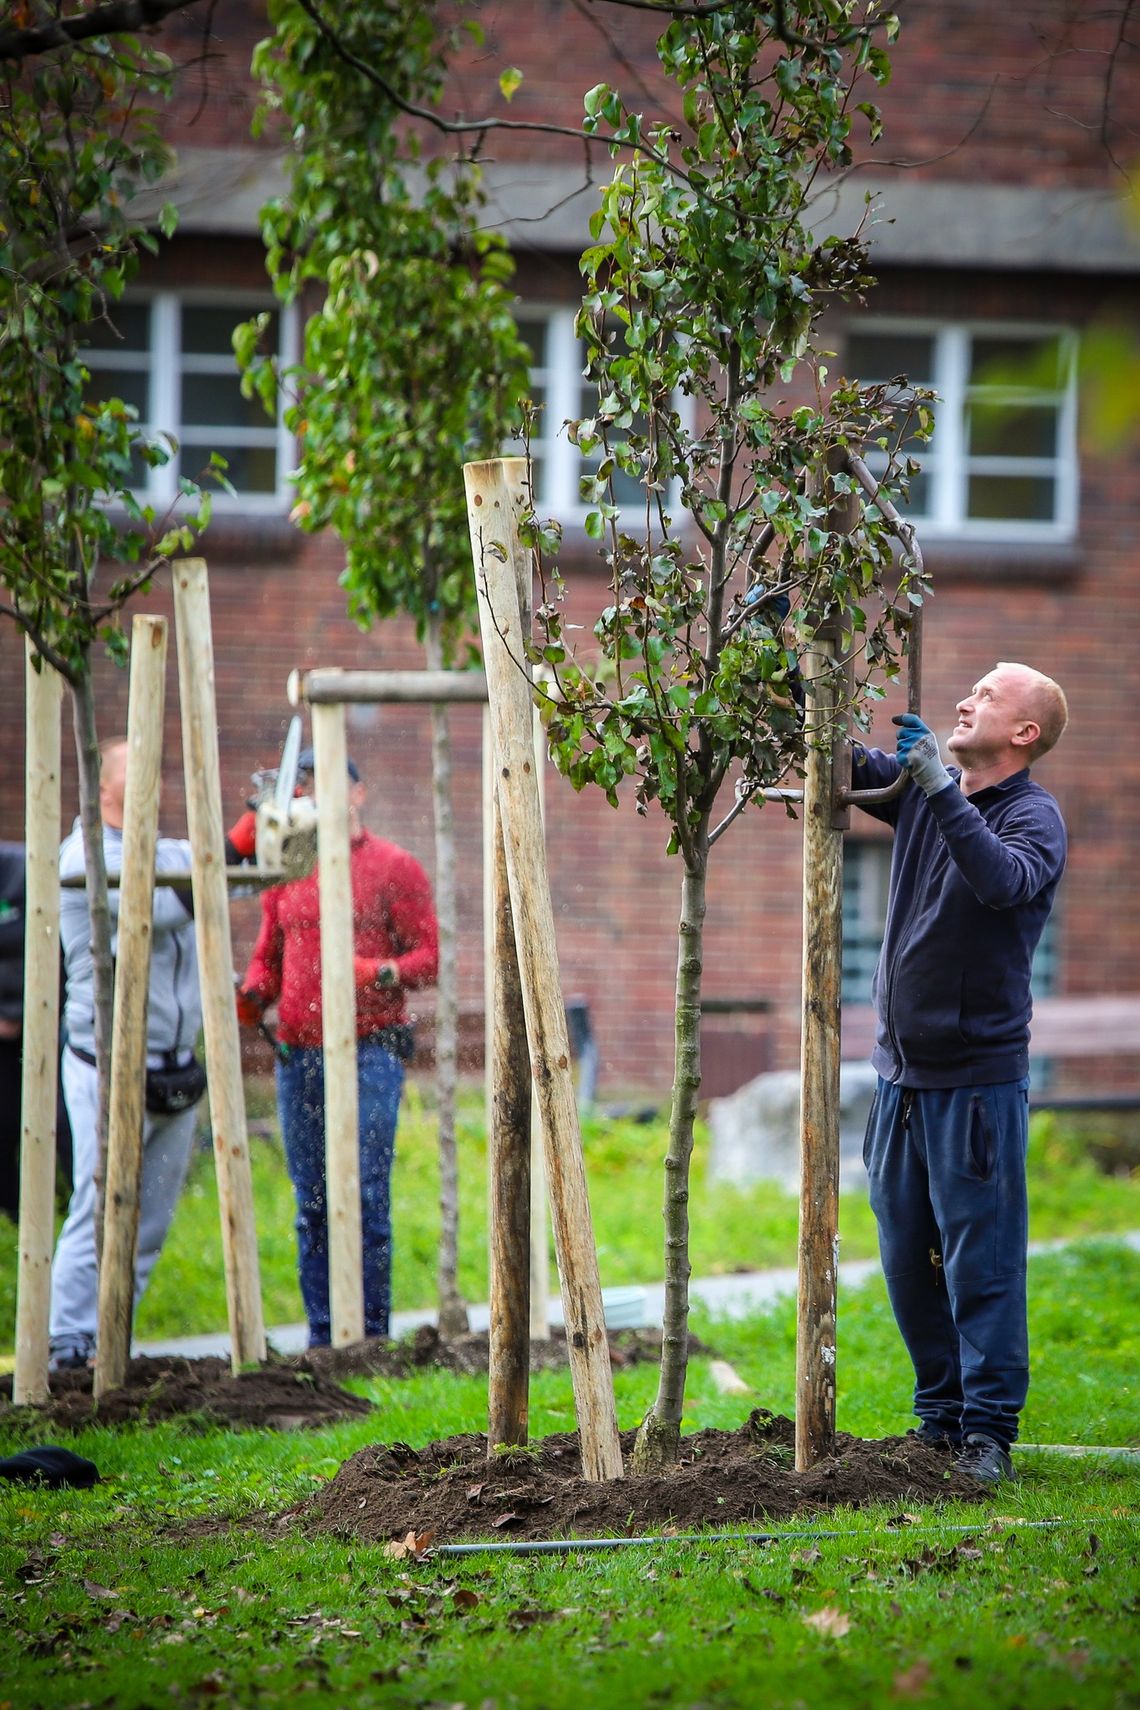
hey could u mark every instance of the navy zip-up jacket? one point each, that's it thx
(972, 883)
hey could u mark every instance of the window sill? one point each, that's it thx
(254, 536)
(1012, 561)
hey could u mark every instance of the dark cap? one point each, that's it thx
(305, 763)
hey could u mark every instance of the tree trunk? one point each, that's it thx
(99, 909)
(453, 1320)
(659, 1437)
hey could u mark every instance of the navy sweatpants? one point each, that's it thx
(948, 1189)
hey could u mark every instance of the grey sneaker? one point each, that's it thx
(71, 1357)
(985, 1460)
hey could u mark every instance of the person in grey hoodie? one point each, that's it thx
(174, 1016)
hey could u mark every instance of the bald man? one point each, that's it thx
(979, 849)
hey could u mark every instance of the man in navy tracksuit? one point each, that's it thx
(977, 857)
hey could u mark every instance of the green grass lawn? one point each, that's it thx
(118, 1596)
(732, 1228)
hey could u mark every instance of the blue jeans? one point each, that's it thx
(947, 1174)
(301, 1107)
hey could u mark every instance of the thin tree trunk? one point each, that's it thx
(659, 1437)
(99, 910)
(453, 1320)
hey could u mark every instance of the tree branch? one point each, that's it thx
(116, 18)
(42, 647)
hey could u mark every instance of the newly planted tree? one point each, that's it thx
(411, 365)
(77, 142)
(703, 321)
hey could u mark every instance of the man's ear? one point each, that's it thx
(1026, 734)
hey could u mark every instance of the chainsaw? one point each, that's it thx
(286, 822)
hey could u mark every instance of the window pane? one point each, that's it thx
(252, 468)
(215, 400)
(866, 873)
(880, 356)
(1011, 430)
(533, 335)
(208, 328)
(131, 387)
(1022, 362)
(129, 329)
(1012, 498)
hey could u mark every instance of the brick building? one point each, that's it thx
(1002, 226)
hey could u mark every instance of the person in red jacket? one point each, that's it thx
(396, 943)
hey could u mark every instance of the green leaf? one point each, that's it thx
(509, 81)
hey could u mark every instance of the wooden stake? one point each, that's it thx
(819, 1082)
(516, 472)
(539, 1211)
(132, 983)
(494, 543)
(508, 1150)
(338, 1010)
(40, 1042)
(215, 962)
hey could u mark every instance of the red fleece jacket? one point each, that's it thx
(393, 920)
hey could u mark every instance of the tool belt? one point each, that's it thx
(170, 1088)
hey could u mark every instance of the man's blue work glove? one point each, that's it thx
(917, 748)
(773, 608)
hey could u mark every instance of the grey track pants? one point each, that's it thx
(167, 1141)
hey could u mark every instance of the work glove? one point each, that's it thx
(371, 972)
(250, 1008)
(243, 835)
(774, 609)
(917, 749)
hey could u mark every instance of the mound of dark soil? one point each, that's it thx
(468, 1353)
(283, 1396)
(451, 1491)
(293, 1392)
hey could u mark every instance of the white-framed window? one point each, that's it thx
(561, 393)
(170, 355)
(866, 880)
(1002, 463)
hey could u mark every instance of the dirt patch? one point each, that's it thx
(450, 1491)
(469, 1353)
(281, 1396)
(289, 1392)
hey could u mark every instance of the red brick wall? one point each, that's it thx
(1018, 93)
(277, 603)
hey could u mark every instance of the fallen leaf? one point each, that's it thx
(531, 1617)
(504, 1519)
(474, 1492)
(832, 1622)
(94, 1590)
(912, 1682)
(463, 1599)
(414, 1544)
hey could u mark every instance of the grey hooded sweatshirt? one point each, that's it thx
(174, 1007)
